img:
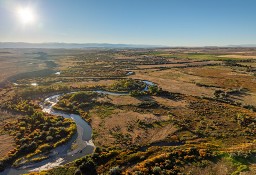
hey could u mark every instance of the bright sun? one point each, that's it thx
(26, 15)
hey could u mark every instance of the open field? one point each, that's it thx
(198, 117)
(7, 144)
(175, 81)
(239, 56)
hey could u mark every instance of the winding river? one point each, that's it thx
(63, 154)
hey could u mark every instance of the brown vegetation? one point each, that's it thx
(204, 103)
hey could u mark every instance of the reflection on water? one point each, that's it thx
(34, 84)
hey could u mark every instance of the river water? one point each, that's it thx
(63, 154)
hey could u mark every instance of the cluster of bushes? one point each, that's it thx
(95, 70)
(240, 159)
(231, 63)
(225, 94)
(28, 92)
(235, 63)
(89, 164)
(36, 132)
(152, 161)
(250, 107)
(152, 90)
(171, 162)
(128, 85)
(220, 120)
(20, 106)
(148, 104)
(247, 122)
(75, 101)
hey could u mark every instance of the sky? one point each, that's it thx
(152, 22)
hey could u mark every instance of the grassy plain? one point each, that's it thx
(202, 121)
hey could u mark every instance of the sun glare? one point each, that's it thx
(26, 15)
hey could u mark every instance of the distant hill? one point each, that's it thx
(95, 45)
(243, 45)
(71, 45)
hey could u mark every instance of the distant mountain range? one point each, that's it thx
(94, 45)
(243, 45)
(72, 45)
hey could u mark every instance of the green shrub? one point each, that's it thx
(157, 170)
(115, 170)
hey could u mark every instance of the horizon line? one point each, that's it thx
(106, 43)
